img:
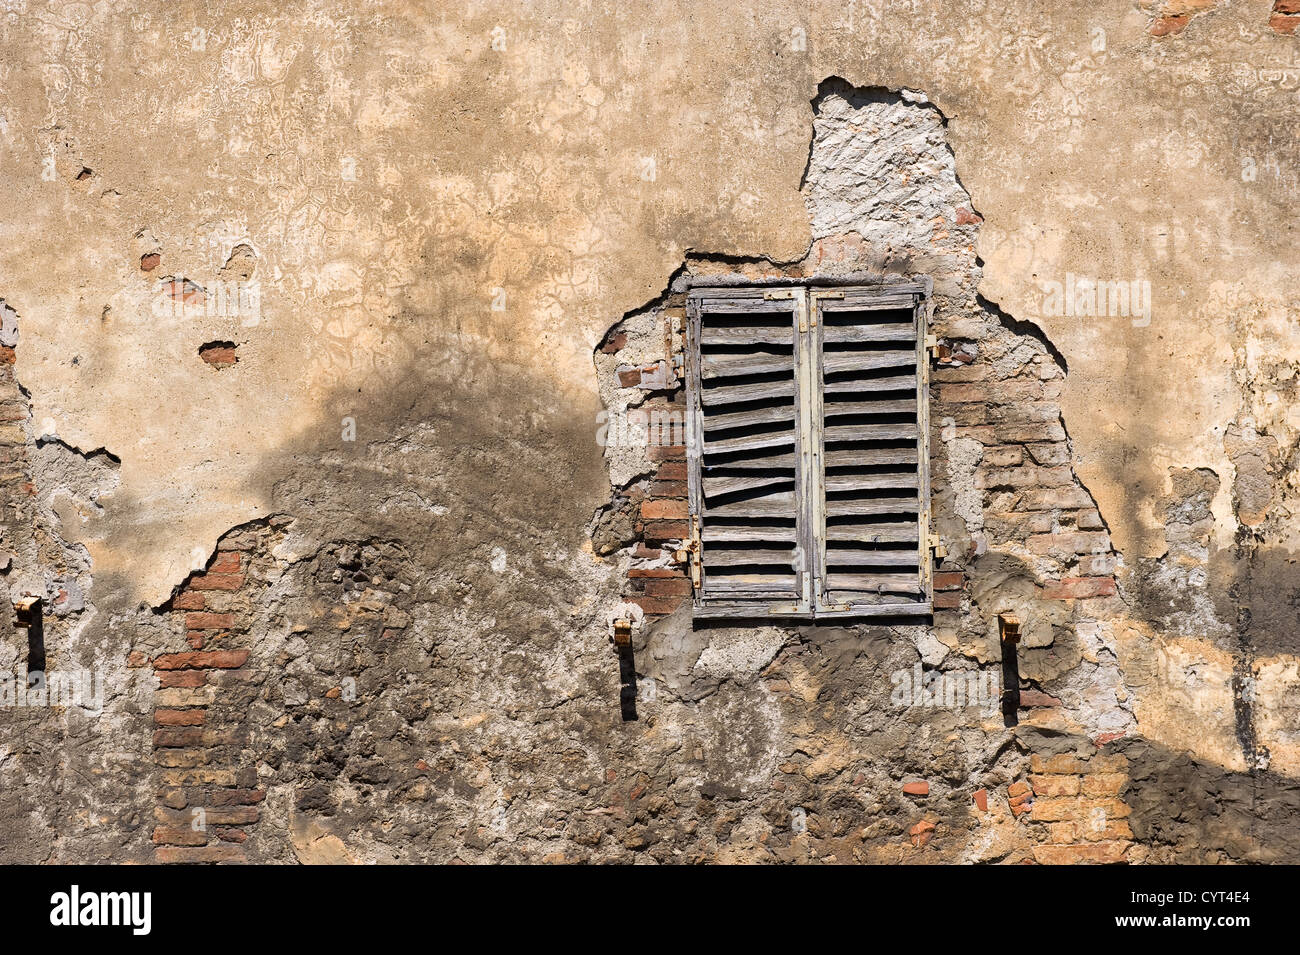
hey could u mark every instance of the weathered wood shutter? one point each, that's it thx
(874, 475)
(806, 435)
(747, 370)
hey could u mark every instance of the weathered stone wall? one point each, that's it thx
(312, 318)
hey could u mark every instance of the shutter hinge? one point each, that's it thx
(829, 293)
(690, 553)
(778, 293)
(936, 545)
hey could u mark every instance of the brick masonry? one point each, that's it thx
(207, 791)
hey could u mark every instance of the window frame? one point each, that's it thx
(809, 301)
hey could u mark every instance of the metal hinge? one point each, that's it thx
(772, 295)
(936, 545)
(690, 553)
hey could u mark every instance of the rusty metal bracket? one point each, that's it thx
(690, 553)
(29, 613)
(1009, 632)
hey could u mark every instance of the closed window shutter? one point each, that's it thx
(807, 436)
(747, 483)
(873, 473)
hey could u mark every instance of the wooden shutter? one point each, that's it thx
(807, 442)
(746, 361)
(873, 476)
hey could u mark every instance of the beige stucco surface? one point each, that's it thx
(448, 205)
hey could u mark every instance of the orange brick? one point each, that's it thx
(663, 509)
(217, 582)
(1055, 785)
(1104, 784)
(211, 659)
(226, 562)
(188, 600)
(1104, 853)
(209, 621)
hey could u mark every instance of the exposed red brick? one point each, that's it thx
(663, 509)
(179, 836)
(657, 605)
(1037, 698)
(219, 354)
(659, 587)
(949, 580)
(1286, 6)
(629, 377)
(235, 797)
(917, 788)
(188, 600)
(211, 659)
(614, 343)
(182, 678)
(947, 600)
(981, 797)
(1079, 588)
(1282, 23)
(217, 581)
(671, 471)
(667, 488)
(660, 572)
(179, 717)
(150, 261)
(136, 658)
(967, 217)
(921, 833)
(187, 736)
(667, 452)
(666, 530)
(226, 562)
(209, 621)
(1168, 26)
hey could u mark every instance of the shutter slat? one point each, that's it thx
(875, 583)
(752, 391)
(873, 533)
(839, 361)
(714, 486)
(747, 533)
(772, 505)
(868, 482)
(753, 441)
(868, 558)
(897, 406)
(869, 458)
(868, 508)
(869, 333)
(857, 385)
(870, 432)
(782, 414)
(728, 366)
(748, 335)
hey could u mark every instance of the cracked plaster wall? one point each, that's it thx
(444, 209)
